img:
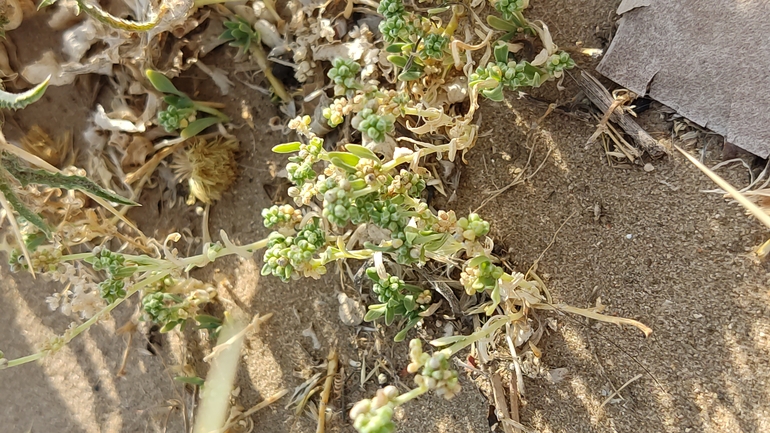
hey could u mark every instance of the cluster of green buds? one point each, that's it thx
(373, 125)
(174, 118)
(376, 415)
(290, 257)
(406, 183)
(343, 74)
(397, 299)
(42, 259)
(339, 202)
(284, 218)
(300, 167)
(473, 227)
(397, 24)
(172, 301)
(503, 74)
(437, 374)
(510, 9)
(117, 269)
(479, 275)
(181, 111)
(558, 63)
(434, 45)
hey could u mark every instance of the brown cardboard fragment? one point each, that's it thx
(706, 59)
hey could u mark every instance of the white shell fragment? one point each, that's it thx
(351, 311)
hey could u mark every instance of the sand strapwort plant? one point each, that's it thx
(332, 192)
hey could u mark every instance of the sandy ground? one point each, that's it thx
(661, 252)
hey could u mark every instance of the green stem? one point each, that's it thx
(198, 105)
(484, 332)
(87, 324)
(261, 58)
(411, 395)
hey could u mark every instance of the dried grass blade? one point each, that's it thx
(734, 193)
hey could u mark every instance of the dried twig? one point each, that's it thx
(602, 98)
(501, 407)
(331, 370)
(632, 380)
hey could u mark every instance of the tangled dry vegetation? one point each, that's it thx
(382, 103)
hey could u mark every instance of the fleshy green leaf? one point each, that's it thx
(361, 152)
(16, 101)
(402, 334)
(374, 313)
(446, 341)
(205, 319)
(197, 126)
(162, 83)
(501, 52)
(197, 381)
(390, 315)
(495, 94)
(287, 147)
(395, 48)
(477, 261)
(346, 157)
(410, 75)
(409, 303)
(498, 23)
(399, 61)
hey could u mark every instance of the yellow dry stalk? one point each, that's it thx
(208, 166)
(37, 142)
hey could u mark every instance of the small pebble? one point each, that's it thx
(648, 167)
(629, 236)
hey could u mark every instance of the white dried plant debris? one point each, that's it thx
(12, 11)
(138, 150)
(77, 40)
(65, 15)
(6, 71)
(63, 74)
(107, 123)
(245, 12)
(81, 297)
(202, 43)
(310, 333)
(176, 13)
(46, 66)
(269, 34)
(309, 33)
(456, 89)
(351, 312)
(522, 331)
(217, 75)
(360, 49)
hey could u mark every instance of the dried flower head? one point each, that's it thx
(208, 166)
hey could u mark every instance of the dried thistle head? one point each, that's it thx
(208, 166)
